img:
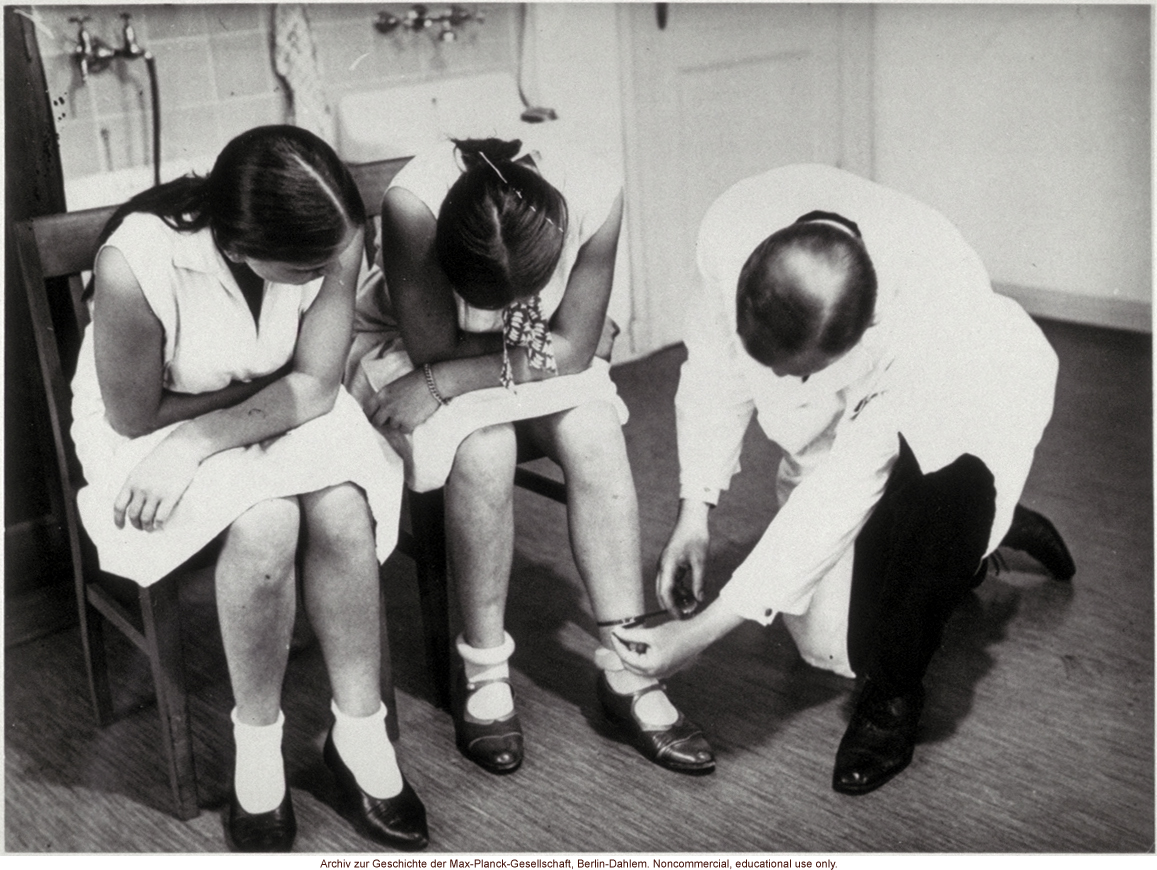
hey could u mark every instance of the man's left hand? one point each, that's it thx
(660, 651)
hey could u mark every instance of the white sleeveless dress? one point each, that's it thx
(211, 339)
(378, 355)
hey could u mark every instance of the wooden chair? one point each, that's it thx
(52, 252)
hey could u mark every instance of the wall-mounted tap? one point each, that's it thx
(91, 52)
(130, 48)
(418, 18)
(94, 54)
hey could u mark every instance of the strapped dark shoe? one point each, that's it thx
(260, 832)
(493, 744)
(681, 747)
(398, 821)
(1032, 533)
(879, 741)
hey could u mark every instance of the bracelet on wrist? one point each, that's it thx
(432, 385)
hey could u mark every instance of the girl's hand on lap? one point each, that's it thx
(402, 405)
(155, 486)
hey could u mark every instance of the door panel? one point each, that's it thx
(723, 92)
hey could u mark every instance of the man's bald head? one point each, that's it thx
(806, 295)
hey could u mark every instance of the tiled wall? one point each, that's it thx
(216, 74)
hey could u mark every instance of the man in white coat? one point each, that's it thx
(907, 398)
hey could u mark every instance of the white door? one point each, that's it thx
(721, 92)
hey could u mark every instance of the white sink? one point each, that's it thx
(400, 121)
(113, 188)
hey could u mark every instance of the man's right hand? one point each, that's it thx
(679, 583)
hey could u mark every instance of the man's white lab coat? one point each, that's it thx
(952, 366)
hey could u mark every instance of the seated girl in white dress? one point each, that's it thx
(498, 264)
(207, 401)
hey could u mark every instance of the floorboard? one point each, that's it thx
(1038, 735)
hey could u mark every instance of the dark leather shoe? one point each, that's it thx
(495, 744)
(1032, 533)
(260, 832)
(879, 741)
(681, 747)
(398, 821)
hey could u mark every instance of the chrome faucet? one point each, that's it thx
(130, 48)
(418, 18)
(93, 54)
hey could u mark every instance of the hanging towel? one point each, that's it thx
(295, 60)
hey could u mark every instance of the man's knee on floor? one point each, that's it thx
(947, 514)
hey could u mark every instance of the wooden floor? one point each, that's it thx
(1038, 735)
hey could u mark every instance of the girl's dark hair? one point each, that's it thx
(275, 193)
(501, 226)
(778, 318)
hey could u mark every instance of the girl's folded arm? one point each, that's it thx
(421, 294)
(129, 357)
(311, 388)
(576, 326)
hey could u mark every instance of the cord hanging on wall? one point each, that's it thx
(533, 114)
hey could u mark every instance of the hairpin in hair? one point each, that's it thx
(482, 154)
(517, 192)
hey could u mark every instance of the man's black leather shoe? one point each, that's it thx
(1032, 533)
(879, 741)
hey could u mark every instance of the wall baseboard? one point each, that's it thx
(1128, 314)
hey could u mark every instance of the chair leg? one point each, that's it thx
(160, 615)
(95, 660)
(428, 525)
(389, 696)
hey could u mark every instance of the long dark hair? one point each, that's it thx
(275, 193)
(501, 226)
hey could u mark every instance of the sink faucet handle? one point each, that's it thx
(129, 45)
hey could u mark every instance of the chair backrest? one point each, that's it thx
(52, 253)
(372, 180)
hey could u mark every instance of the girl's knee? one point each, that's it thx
(486, 456)
(338, 517)
(264, 539)
(589, 441)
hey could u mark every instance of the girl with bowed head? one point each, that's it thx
(206, 403)
(492, 319)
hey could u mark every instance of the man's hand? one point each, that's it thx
(679, 582)
(663, 650)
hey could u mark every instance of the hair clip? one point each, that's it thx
(517, 192)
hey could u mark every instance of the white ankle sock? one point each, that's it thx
(364, 746)
(493, 701)
(654, 709)
(258, 768)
